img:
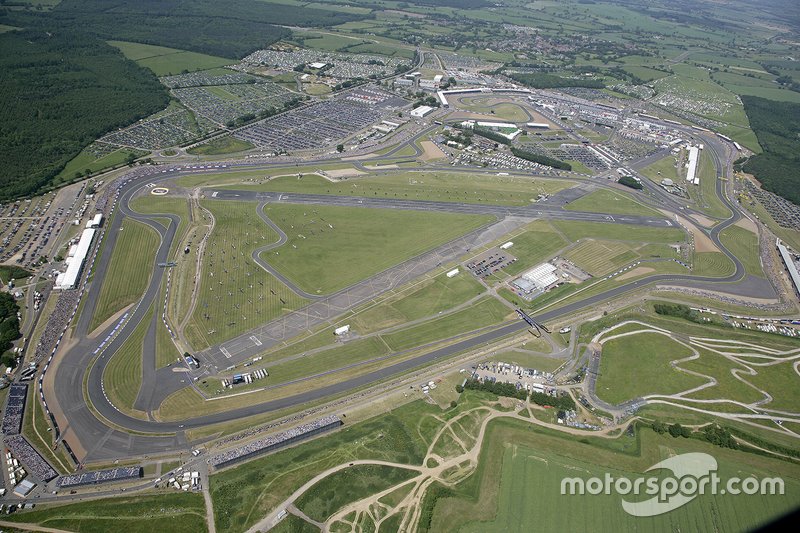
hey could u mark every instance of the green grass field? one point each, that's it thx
(500, 497)
(612, 203)
(714, 264)
(151, 204)
(600, 257)
(178, 512)
(221, 145)
(441, 187)
(128, 272)
(483, 313)
(744, 245)
(574, 231)
(430, 297)
(122, 377)
(638, 365)
(235, 294)
(347, 486)
(539, 243)
(330, 248)
(781, 382)
(500, 111)
(88, 161)
(242, 495)
(165, 61)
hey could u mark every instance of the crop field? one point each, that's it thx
(574, 231)
(500, 496)
(440, 187)
(537, 244)
(427, 299)
(330, 248)
(178, 512)
(638, 365)
(599, 257)
(235, 293)
(611, 202)
(165, 61)
(485, 312)
(129, 270)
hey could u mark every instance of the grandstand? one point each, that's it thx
(125, 473)
(274, 442)
(28, 456)
(15, 408)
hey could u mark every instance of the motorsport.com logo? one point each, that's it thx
(693, 474)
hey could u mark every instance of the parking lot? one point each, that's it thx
(490, 262)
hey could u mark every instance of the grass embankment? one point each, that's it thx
(143, 513)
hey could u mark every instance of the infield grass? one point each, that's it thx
(330, 248)
(129, 270)
(612, 203)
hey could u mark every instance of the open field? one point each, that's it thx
(538, 243)
(574, 231)
(639, 364)
(483, 313)
(150, 204)
(330, 248)
(612, 203)
(500, 496)
(744, 245)
(427, 299)
(243, 494)
(122, 377)
(223, 145)
(441, 187)
(235, 293)
(347, 486)
(129, 270)
(600, 257)
(86, 160)
(143, 513)
(165, 61)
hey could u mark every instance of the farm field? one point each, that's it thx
(500, 497)
(330, 248)
(235, 294)
(611, 202)
(637, 365)
(143, 513)
(441, 187)
(129, 270)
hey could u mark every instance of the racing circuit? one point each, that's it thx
(104, 433)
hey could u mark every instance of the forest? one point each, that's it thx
(551, 81)
(60, 92)
(230, 29)
(777, 127)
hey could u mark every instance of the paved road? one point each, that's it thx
(102, 442)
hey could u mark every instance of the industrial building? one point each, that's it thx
(691, 172)
(69, 278)
(421, 111)
(537, 279)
